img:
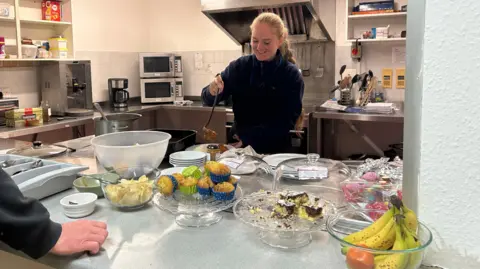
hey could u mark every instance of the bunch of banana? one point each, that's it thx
(395, 230)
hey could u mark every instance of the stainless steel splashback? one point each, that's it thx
(235, 16)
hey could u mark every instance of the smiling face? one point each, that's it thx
(265, 41)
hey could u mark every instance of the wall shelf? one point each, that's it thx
(394, 39)
(357, 25)
(35, 60)
(28, 23)
(49, 23)
(3, 19)
(381, 15)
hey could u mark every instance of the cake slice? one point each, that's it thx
(284, 209)
(299, 198)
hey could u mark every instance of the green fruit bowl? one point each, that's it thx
(347, 222)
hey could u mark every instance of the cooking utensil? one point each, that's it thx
(99, 108)
(209, 134)
(37, 163)
(118, 122)
(38, 150)
(342, 69)
(7, 163)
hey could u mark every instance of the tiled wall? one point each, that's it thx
(21, 82)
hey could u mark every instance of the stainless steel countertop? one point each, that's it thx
(335, 115)
(150, 238)
(54, 124)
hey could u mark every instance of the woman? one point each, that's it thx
(266, 88)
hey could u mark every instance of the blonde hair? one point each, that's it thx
(274, 21)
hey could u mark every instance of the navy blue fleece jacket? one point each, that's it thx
(267, 100)
(25, 223)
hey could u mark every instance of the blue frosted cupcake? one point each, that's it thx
(223, 191)
(218, 171)
(204, 186)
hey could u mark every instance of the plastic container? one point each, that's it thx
(117, 151)
(58, 43)
(350, 221)
(29, 51)
(59, 53)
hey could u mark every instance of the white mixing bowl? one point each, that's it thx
(130, 149)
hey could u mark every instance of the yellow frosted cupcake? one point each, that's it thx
(166, 185)
(188, 185)
(233, 180)
(219, 172)
(223, 191)
(204, 186)
(178, 177)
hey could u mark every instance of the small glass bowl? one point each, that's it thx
(134, 173)
(350, 221)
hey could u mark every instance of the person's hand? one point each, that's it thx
(79, 236)
(238, 144)
(216, 86)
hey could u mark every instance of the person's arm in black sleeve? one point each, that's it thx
(283, 122)
(229, 77)
(25, 223)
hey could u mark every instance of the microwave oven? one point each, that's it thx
(160, 65)
(161, 90)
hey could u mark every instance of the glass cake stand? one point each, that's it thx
(194, 210)
(256, 210)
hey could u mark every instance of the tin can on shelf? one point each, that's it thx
(51, 10)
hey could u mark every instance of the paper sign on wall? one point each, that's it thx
(398, 55)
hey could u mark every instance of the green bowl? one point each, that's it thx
(87, 184)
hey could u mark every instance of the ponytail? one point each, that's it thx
(286, 51)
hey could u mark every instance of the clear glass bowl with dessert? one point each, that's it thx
(286, 214)
(313, 170)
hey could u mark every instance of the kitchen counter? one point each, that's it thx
(336, 115)
(134, 107)
(150, 238)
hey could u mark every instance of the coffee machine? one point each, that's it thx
(118, 93)
(67, 87)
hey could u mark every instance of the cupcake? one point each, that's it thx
(233, 180)
(178, 177)
(223, 191)
(188, 185)
(218, 171)
(166, 185)
(204, 186)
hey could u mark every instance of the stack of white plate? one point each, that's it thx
(188, 158)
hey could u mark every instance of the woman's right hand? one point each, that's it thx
(216, 86)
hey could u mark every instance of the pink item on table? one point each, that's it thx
(370, 176)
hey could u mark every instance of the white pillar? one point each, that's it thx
(442, 127)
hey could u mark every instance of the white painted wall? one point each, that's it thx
(442, 130)
(181, 26)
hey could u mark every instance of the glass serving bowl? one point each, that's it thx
(256, 210)
(194, 210)
(134, 194)
(350, 221)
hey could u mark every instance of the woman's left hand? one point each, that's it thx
(237, 145)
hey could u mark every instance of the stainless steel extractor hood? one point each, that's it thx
(300, 17)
